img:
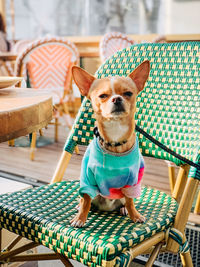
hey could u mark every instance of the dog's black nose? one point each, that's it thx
(117, 100)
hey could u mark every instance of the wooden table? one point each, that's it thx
(7, 56)
(23, 111)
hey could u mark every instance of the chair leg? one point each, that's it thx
(180, 182)
(9, 254)
(41, 132)
(197, 206)
(11, 142)
(77, 150)
(56, 130)
(64, 260)
(12, 243)
(33, 145)
(61, 167)
(172, 178)
(153, 255)
(183, 212)
(186, 259)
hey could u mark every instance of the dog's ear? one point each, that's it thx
(140, 75)
(82, 79)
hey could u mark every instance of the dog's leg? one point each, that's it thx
(132, 212)
(80, 219)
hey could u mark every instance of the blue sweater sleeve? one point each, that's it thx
(87, 180)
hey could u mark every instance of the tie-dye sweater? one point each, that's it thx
(112, 175)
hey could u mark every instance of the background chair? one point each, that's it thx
(168, 110)
(113, 42)
(16, 48)
(46, 63)
(20, 45)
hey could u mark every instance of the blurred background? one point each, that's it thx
(27, 19)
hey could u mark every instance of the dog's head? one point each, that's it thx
(112, 97)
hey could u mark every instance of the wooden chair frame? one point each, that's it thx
(177, 185)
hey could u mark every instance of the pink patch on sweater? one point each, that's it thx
(140, 175)
(132, 191)
(115, 193)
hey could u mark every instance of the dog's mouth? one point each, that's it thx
(118, 109)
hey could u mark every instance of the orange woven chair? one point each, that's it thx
(46, 64)
(112, 42)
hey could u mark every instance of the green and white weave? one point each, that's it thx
(43, 215)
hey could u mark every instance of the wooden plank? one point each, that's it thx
(182, 37)
(93, 41)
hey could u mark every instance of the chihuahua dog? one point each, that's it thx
(112, 166)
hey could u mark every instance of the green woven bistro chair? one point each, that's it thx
(168, 110)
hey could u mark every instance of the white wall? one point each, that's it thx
(182, 17)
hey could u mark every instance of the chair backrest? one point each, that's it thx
(48, 61)
(20, 45)
(113, 42)
(169, 106)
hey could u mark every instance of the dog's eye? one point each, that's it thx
(128, 94)
(103, 96)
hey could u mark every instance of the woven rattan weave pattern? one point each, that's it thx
(169, 106)
(43, 214)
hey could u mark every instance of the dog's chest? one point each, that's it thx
(115, 130)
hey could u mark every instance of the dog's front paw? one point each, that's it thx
(138, 218)
(78, 221)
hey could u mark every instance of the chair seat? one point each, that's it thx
(43, 214)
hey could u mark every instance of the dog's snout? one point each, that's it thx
(118, 105)
(117, 100)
